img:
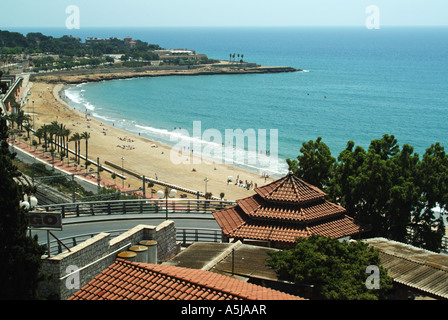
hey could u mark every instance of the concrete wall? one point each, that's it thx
(67, 272)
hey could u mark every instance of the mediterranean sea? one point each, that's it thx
(358, 84)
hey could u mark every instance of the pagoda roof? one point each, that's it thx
(257, 207)
(290, 189)
(235, 225)
(284, 210)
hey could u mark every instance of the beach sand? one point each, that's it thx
(141, 155)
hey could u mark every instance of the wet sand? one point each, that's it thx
(140, 155)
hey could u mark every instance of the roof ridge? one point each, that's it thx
(165, 270)
(294, 185)
(244, 293)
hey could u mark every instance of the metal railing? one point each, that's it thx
(136, 206)
(184, 235)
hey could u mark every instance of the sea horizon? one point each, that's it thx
(360, 86)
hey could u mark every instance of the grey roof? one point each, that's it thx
(248, 261)
(413, 267)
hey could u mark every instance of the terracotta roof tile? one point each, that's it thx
(283, 211)
(290, 189)
(257, 207)
(170, 282)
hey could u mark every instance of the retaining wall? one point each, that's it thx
(67, 272)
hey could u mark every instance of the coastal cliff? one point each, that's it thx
(97, 75)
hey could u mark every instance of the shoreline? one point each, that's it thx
(98, 75)
(141, 155)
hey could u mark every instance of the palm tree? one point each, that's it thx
(19, 118)
(46, 134)
(28, 128)
(76, 137)
(12, 119)
(86, 136)
(65, 134)
(39, 133)
(55, 131)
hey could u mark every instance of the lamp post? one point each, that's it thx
(164, 194)
(28, 202)
(122, 172)
(205, 180)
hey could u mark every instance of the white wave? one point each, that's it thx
(96, 115)
(89, 106)
(212, 151)
(74, 96)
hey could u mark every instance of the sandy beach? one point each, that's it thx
(141, 155)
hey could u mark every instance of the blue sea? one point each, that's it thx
(357, 84)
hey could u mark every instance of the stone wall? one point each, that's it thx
(67, 272)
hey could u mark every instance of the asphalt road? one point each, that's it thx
(85, 227)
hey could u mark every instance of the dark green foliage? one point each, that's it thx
(20, 262)
(3, 85)
(67, 46)
(336, 269)
(315, 163)
(388, 188)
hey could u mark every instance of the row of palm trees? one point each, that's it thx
(57, 137)
(232, 55)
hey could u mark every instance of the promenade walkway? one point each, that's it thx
(66, 168)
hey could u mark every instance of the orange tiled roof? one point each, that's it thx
(271, 230)
(257, 207)
(283, 211)
(126, 280)
(290, 189)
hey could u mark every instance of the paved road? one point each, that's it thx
(102, 224)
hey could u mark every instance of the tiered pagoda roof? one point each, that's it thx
(284, 210)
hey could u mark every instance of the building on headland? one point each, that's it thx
(127, 39)
(93, 40)
(113, 39)
(170, 55)
(284, 210)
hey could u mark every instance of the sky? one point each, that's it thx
(218, 13)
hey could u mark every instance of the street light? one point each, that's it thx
(122, 172)
(205, 180)
(28, 203)
(164, 194)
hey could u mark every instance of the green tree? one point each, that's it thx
(21, 254)
(3, 85)
(86, 136)
(385, 187)
(432, 176)
(76, 138)
(337, 270)
(315, 163)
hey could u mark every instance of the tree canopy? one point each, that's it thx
(391, 189)
(337, 270)
(21, 254)
(67, 46)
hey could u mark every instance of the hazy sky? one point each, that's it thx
(149, 13)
